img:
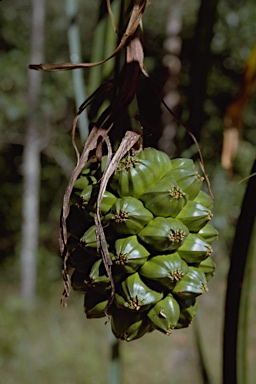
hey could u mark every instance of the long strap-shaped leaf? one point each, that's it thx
(134, 21)
(75, 55)
(236, 277)
(104, 43)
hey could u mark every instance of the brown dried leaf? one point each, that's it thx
(134, 21)
(101, 94)
(90, 145)
(129, 140)
(111, 15)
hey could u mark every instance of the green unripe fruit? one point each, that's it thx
(129, 254)
(166, 269)
(181, 163)
(129, 326)
(188, 179)
(164, 234)
(204, 199)
(98, 278)
(95, 304)
(135, 295)
(165, 314)
(208, 233)
(88, 199)
(192, 284)
(208, 267)
(89, 238)
(188, 311)
(128, 216)
(165, 198)
(137, 173)
(81, 183)
(195, 216)
(155, 220)
(94, 277)
(86, 195)
(107, 202)
(194, 249)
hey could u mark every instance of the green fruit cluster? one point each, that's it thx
(156, 221)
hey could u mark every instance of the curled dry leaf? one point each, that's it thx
(134, 21)
(90, 145)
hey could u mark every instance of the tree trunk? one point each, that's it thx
(31, 160)
(236, 283)
(172, 63)
(200, 66)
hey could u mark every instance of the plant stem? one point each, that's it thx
(115, 362)
(239, 257)
(75, 57)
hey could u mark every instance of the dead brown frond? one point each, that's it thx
(134, 21)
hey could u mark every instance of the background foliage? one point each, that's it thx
(60, 346)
